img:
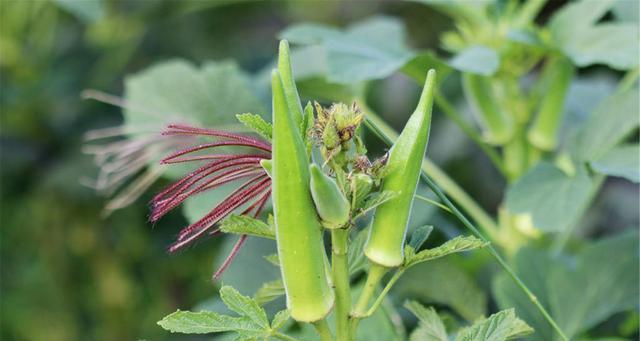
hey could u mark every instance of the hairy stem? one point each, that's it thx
(322, 328)
(340, 268)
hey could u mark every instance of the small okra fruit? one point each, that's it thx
(498, 124)
(543, 132)
(385, 245)
(331, 204)
(298, 230)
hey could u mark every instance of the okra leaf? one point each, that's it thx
(576, 31)
(455, 245)
(371, 49)
(621, 161)
(242, 224)
(273, 259)
(280, 319)
(477, 59)
(424, 61)
(609, 123)
(419, 236)
(205, 322)
(178, 91)
(355, 254)
(244, 306)
(430, 326)
(551, 197)
(376, 199)
(501, 326)
(442, 282)
(269, 291)
(89, 11)
(257, 124)
(580, 291)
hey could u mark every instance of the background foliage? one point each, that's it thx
(68, 274)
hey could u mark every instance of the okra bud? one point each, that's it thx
(298, 231)
(385, 245)
(543, 133)
(498, 124)
(331, 204)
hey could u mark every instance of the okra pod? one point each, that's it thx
(385, 245)
(543, 132)
(298, 230)
(331, 204)
(498, 124)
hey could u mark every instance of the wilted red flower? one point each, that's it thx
(249, 198)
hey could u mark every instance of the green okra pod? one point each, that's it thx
(498, 124)
(543, 132)
(298, 231)
(385, 245)
(289, 84)
(331, 204)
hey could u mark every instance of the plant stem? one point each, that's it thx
(376, 272)
(385, 291)
(457, 118)
(492, 251)
(340, 268)
(388, 134)
(322, 328)
(284, 337)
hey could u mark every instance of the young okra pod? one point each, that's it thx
(543, 132)
(298, 231)
(498, 124)
(385, 245)
(331, 204)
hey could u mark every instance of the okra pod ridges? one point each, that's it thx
(385, 245)
(331, 204)
(298, 230)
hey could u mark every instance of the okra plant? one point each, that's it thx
(341, 216)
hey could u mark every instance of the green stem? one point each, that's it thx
(432, 202)
(385, 291)
(322, 328)
(376, 272)
(629, 79)
(388, 134)
(340, 267)
(457, 118)
(492, 251)
(284, 337)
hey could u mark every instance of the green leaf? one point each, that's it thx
(257, 124)
(416, 67)
(242, 224)
(269, 291)
(280, 319)
(552, 198)
(376, 199)
(443, 282)
(431, 327)
(177, 91)
(273, 259)
(204, 322)
(610, 122)
(355, 254)
(501, 326)
(371, 49)
(575, 30)
(244, 306)
(477, 59)
(580, 292)
(419, 236)
(622, 161)
(455, 245)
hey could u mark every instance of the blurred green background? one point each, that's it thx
(69, 274)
